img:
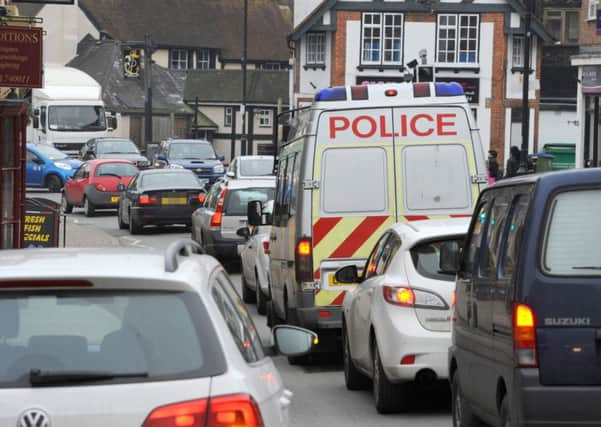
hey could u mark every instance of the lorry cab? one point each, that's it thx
(356, 161)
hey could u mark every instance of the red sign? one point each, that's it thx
(21, 57)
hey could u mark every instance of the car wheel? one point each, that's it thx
(248, 296)
(66, 206)
(88, 207)
(54, 183)
(387, 396)
(122, 224)
(134, 227)
(506, 419)
(460, 407)
(353, 379)
(260, 298)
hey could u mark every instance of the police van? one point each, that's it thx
(359, 159)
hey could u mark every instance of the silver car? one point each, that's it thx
(215, 224)
(133, 338)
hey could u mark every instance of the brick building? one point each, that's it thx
(478, 44)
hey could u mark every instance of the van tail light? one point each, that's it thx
(303, 262)
(266, 249)
(399, 296)
(218, 215)
(145, 200)
(524, 336)
(238, 410)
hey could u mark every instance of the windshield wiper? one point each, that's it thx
(587, 267)
(42, 378)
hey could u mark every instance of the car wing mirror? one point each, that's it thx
(450, 253)
(254, 213)
(221, 158)
(293, 341)
(347, 274)
(243, 232)
(231, 174)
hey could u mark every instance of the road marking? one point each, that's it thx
(134, 242)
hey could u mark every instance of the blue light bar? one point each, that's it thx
(449, 89)
(331, 94)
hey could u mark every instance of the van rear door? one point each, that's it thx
(436, 162)
(566, 301)
(355, 199)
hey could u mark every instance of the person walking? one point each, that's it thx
(493, 167)
(513, 163)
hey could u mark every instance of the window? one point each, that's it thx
(236, 200)
(264, 117)
(592, 9)
(369, 171)
(517, 51)
(390, 249)
(280, 189)
(273, 66)
(381, 38)
(426, 259)
(178, 59)
(203, 59)
(238, 319)
(563, 25)
(295, 184)
(316, 49)
(490, 256)
(475, 239)
(228, 117)
(514, 234)
(458, 39)
(573, 234)
(116, 169)
(371, 265)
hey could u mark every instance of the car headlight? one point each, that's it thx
(175, 166)
(62, 165)
(218, 169)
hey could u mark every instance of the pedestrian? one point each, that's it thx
(513, 163)
(493, 167)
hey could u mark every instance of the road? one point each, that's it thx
(320, 396)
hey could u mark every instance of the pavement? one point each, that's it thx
(83, 235)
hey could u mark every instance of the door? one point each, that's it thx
(73, 187)
(435, 162)
(355, 199)
(278, 240)
(35, 165)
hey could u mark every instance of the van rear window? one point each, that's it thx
(573, 234)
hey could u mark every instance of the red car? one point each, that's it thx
(94, 185)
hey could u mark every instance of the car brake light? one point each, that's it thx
(524, 336)
(218, 215)
(202, 197)
(145, 199)
(303, 261)
(266, 250)
(239, 410)
(408, 360)
(59, 283)
(399, 296)
(100, 187)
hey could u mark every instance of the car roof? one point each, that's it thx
(558, 178)
(110, 138)
(248, 183)
(96, 162)
(104, 267)
(413, 232)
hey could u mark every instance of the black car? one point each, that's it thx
(114, 148)
(159, 197)
(526, 347)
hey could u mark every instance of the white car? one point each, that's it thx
(397, 320)
(248, 167)
(131, 338)
(254, 255)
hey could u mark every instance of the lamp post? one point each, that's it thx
(244, 54)
(525, 89)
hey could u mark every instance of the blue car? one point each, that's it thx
(48, 167)
(193, 154)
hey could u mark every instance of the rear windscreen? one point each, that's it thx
(573, 234)
(119, 169)
(106, 332)
(256, 167)
(236, 201)
(169, 180)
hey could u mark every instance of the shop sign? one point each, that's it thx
(21, 57)
(45, 1)
(591, 79)
(41, 225)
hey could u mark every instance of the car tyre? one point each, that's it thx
(248, 296)
(389, 397)
(134, 227)
(122, 224)
(460, 408)
(506, 419)
(88, 208)
(54, 183)
(260, 298)
(66, 206)
(353, 378)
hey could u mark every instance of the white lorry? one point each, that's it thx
(68, 110)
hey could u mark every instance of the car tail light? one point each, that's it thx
(145, 199)
(239, 410)
(524, 336)
(304, 261)
(100, 187)
(218, 215)
(399, 295)
(266, 249)
(408, 360)
(202, 197)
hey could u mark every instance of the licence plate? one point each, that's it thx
(114, 199)
(174, 201)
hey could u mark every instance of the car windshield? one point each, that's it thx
(79, 118)
(106, 333)
(236, 201)
(116, 146)
(119, 169)
(256, 167)
(191, 151)
(169, 180)
(51, 152)
(426, 259)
